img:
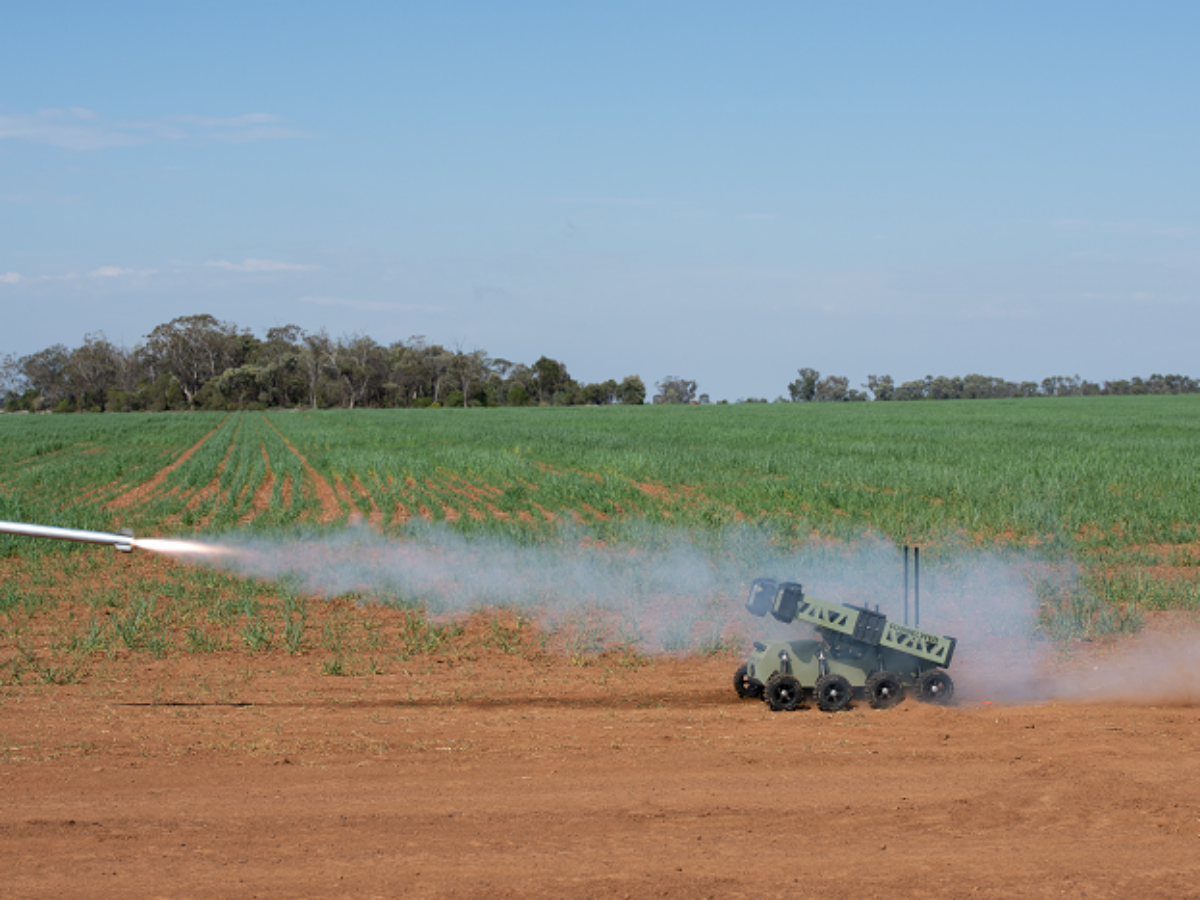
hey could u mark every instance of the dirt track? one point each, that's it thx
(508, 777)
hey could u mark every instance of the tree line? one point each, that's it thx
(811, 387)
(199, 362)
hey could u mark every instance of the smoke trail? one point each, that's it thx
(660, 588)
(664, 588)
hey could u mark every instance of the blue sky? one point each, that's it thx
(720, 191)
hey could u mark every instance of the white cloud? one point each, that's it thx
(373, 305)
(261, 265)
(82, 129)
(110, 272)
(115, 272)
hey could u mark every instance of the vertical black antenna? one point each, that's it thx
(917, 586)
(906, 584)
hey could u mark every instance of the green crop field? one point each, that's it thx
(1106, 485)
(1087, 474)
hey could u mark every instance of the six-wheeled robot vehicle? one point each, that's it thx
(859, 654)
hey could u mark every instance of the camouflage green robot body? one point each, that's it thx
(859, 654)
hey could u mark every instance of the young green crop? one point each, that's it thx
(1110, 482)
(1101, 471)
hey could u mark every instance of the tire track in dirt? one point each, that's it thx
(331, 510)
(137, 495)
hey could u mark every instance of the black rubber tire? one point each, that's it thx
(935, 687)
(783, 692)
(884, 690)
(833, 693)
(747, 688)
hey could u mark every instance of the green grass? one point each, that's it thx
(1108, 471)
(1105, 471)
(1108, 483)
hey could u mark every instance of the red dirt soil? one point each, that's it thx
(375, 519)
(504, 776)
(262, 494)
(212, 490)
(478, 493)
(331, 510)
(147, 488)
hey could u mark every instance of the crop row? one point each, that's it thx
(1102, 472)
(1108, 481)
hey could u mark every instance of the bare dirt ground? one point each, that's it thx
(514, 777)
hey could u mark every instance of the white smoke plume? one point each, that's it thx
(663, 589)
(1154, 668)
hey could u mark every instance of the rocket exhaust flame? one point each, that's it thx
(122, 540)
(189, 549)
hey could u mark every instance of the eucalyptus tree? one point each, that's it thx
(674, 390)
(46, 372)
(468, 367)
(631, 391)
(317, 358)
(362, 367)
(804, 388)
(192, 350)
